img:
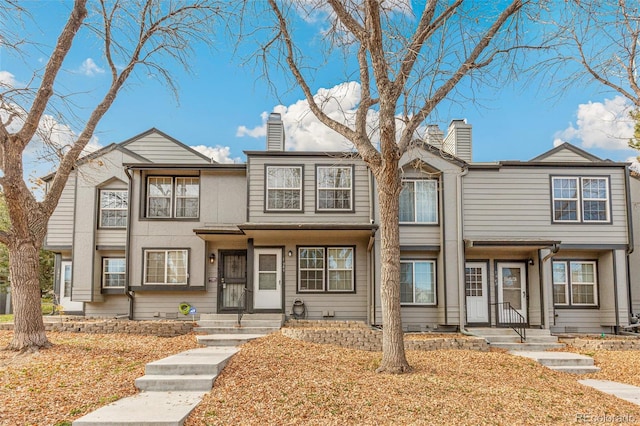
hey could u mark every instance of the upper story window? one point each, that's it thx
(417, 282)
(166, 267)
(283, 188)
(334, 188)
(580, 199)
(113, 208)
(177, 197)
(575, 283)
(323, 269)
(419, 201)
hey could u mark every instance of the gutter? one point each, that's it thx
(130, 294)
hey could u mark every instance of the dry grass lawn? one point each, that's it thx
(279, 381)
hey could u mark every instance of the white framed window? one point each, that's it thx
(166, 267)
(283, 188)
(580, 199)
(329, 269)
(334, 188)
(173, 197)
(419, 201)
(418, 282)
(113, 208)
(187, 196)
(113, 272)
(560, 284)
(575, 283)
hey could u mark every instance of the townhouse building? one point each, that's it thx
(149, 223)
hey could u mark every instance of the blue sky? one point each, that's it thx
(223, 104)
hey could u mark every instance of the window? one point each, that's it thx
(584, 199)
(419, 201)
(325, 269)
(418, 282)
(165, 267)
(173, 197)
(113, 208)
(334, 188)
(284, 188)
(113, 271)
(575, 283)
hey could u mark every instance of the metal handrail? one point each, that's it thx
(510, 317)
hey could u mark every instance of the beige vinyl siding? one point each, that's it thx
(256, 182)
(565, 156)
(515, 204)
(113, 305)
(223, 197)
(111, 237)
(634, 258)
(159, 305)
(158, 149)
(60, 226)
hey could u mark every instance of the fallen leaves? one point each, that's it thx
(79, 374)
(279, 381)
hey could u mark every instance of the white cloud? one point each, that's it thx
(7, 79)
(90, 68)
(220, 154)
(604, 125)
(635, 163)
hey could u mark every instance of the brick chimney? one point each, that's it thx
(275, 132)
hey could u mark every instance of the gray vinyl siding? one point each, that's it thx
(158, 149)
(60, 226)
(112, 306)
(159, 305)
(256, 183)
(515, 204)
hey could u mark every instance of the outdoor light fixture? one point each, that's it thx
(212, 258)
(290, 253)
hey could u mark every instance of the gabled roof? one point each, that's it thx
(567, 146)
(436, 151)
(170, 138)
(99, 153)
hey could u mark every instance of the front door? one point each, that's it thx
(267, 279)
(66, 289)
(476, 292)
(232, 281)
(512, 288)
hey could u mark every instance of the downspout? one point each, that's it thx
(630, 247)
(616, 305)
(461, 256)
(371, 250)
(129, 293)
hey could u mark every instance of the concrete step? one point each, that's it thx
(566, 362)
(274, 323)
(516, 339)
(226, 339)
(577, 369)
(529, 347)
(145, 409)
(173, 383)
(235, 330)
(245, 317)
(196, 361)
(502, 331)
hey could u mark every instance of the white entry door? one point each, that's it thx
(512, 288)
(267, 279)
(65, 289)
(476, 292)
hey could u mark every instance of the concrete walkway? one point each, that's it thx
(627, 392)
(171, 389)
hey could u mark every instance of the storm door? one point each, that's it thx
(232, 279)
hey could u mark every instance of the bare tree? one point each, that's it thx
(135, 34)
(602, 40)
(406, 66)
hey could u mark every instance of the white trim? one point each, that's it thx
(413, 283)
(166, 255)
(104, 273)
(433, 182)
(102, 208)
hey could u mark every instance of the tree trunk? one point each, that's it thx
(29, 332)
(394, 360)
